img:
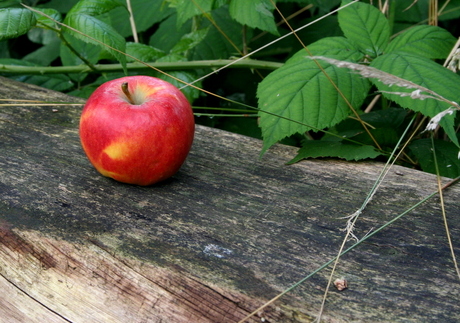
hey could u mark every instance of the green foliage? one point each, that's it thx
(366, 26)
(187, 9)
(426, 73)
(94, 7)
(446, 155)
(348, 151)
(387, 127)
(143, 52)
(254, 13)
(15, 22)
(214, 45)
(302, 92)
(84, 26)
(326, 109)
(190, 40)
(427, 41)
(146, 13)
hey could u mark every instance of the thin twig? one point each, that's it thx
(372, 104)
(443, 211)
(132, 21)
(354, 217)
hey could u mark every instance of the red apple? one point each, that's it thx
(137, 129)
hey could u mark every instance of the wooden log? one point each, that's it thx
(212, 244)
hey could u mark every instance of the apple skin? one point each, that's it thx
(141, 143)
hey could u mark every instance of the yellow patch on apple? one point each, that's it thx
(118, 150)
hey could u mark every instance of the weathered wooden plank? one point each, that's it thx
(225, 234)
(16, 306)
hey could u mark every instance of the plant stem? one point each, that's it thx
(66, 43)
(125, 89)
(165, 66)
(73, 50)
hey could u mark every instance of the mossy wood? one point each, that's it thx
(216, 241)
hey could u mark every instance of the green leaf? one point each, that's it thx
(386, 127)
(42, 20)
(299, 91)
(146, 14)
(187, 9)
(168, 34)
(426, 73)
(324, 6)
(61, 6)
(187, 76)
(190, 40)
(99, 33)
(366, 26)
(42, 36)
(190, 93)
(56, 82)
(446, 156)
(215, 45)
(95, 7)
(219, 3)
(86, 90)
(255, 14)
(427, 41)
(16, 62)
(339, 149)
(9, 3)
(45, 55)
(86, 50)
(15, 22)
(143, 52)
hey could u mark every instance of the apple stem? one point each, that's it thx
(125, 89)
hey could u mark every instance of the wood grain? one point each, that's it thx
(227, 233)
